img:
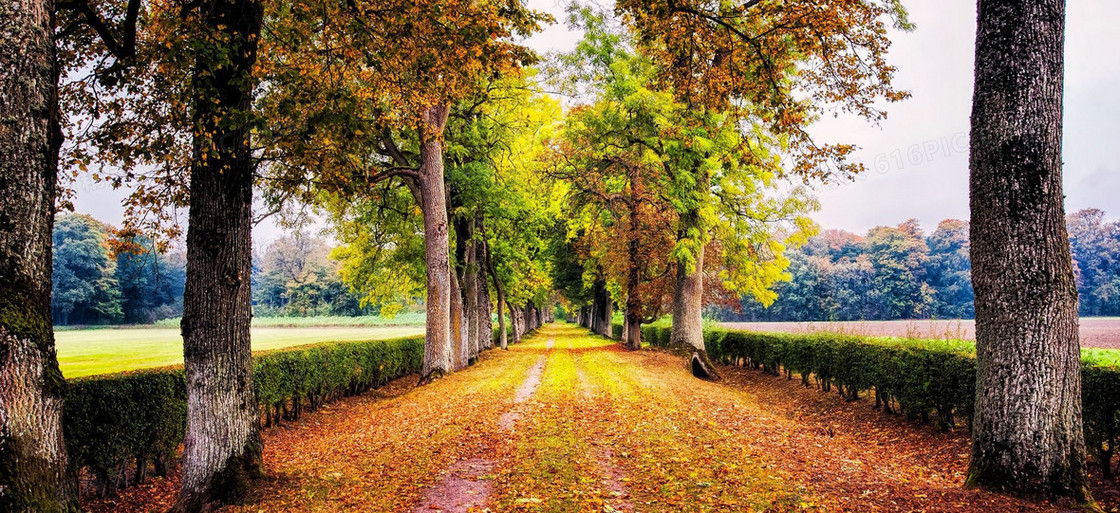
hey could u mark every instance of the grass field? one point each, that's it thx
(106, 350)
(1096, 332)
(401, 319)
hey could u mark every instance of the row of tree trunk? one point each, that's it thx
(599, 315)
(472, 331)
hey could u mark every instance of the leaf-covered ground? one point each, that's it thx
(569, 422)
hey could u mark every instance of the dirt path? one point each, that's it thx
(588, 426)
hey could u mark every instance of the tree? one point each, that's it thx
(84, 282)
(222, 448)
(898, 257)
(397, 68)
(1027, 435)
(296, 276)
(151, 279)
(949, 271)
(688, 175)
(747, 59)
(34, 474)
(1096, 256)
(169, 103)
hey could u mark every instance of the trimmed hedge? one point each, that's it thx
(121, 422)
(118, 426)
(923, 379)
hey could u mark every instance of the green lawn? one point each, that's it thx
(102, 351)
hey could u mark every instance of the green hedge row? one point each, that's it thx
(118, 426)
(923, 379)
(119, 423)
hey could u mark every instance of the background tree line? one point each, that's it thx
(103, 276)
(902, 273)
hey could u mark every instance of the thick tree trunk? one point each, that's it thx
(633, 327)
(633, 276)
(1027, 435)
(222, 448)
(688, 293)
(467, 253)
(33, 464)
(438, 354)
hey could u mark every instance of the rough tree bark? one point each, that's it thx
(460, 311)
(1027, 435)
(466, 256)
(222, 448)
(633, 315)
(688, 294)
(688, 323)
(33, 463)
(438, 353)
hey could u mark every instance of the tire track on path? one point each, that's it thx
(468, 483)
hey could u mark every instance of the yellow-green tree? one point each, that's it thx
(770, 68)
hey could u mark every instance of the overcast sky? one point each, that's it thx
(918, 158)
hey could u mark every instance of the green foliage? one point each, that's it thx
(151, 282)
(1096, 252)
(110, 419)
(891, 273)
(84, 282)
(645, 167)
(329, 371)
(295, 276)
(113, 421)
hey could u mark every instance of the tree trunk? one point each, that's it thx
(503, 333)
(633, 274)
(633, 305)
(602, 308)
(516, 318)
(501, 302)
(34, 473)
(222, 448)
(688, 293)
(462, 297)
(485, 325)
(1027, 436)
(438, 353)
(466, 253)
(633, 327)
(459, 343)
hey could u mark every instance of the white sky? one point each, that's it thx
(922, 148)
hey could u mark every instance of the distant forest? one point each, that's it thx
(901, 273)
(100, 279)
(889, 273)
